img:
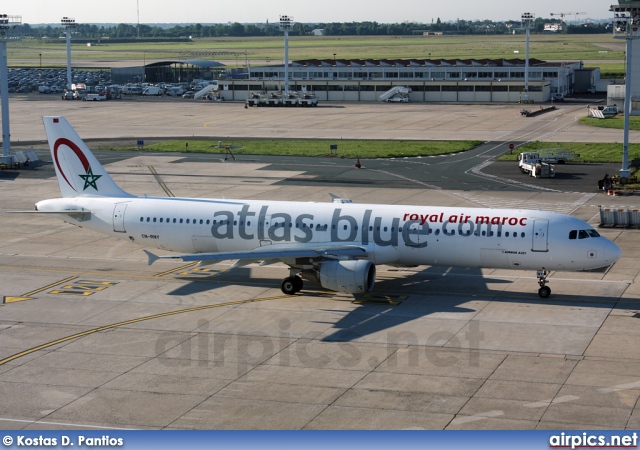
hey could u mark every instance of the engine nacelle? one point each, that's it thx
(352, 276)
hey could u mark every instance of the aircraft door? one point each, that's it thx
(264, 222)
(415, 235)
(118, 217)
(540, 235)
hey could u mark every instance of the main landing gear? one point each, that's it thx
(291, 285)
(544, 291)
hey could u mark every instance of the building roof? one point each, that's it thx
(202, 63)
(417, 62)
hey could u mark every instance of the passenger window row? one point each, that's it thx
(325, 227)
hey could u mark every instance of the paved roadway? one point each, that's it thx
(92, 337)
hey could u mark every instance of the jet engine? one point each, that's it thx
(352, 276)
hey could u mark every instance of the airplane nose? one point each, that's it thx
(612, 252)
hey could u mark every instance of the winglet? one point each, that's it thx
(152, 258)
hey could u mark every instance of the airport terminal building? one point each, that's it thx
(430, 80)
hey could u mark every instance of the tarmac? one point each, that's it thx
(93, 338)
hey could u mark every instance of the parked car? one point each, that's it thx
(153, 90)
(558, 97)
(188, 94)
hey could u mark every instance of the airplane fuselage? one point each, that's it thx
(401, 235)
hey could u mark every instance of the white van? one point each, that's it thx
(153, 90)
(175, 91)
(132, 90)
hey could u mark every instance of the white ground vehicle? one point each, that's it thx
(153, 90)
(602, 112)
(176, 91)
(530, 162)
(308, 99)
(256, 99)
(558, 97)
(94, 97)
(396, 94)
(290, 99)
(132, 89)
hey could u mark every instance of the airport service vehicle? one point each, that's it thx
(256, 99)
(290, 99)
(558, 97)
(530, 162)
(396, 94)
(336, 244)
(274, 99)
(308, 99)
(94, 97)
(602, 112)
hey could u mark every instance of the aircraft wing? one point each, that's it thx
(266, 253)
(82, 213)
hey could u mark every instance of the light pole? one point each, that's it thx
(626, 22)
(40, 61)
(6, 23)
(527, 21)
(68, 24)
(286, 23)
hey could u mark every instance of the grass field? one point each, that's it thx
(346, 148)
(595, 50)
(613, 122)
(589, 152)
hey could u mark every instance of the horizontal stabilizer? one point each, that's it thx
(152, 258)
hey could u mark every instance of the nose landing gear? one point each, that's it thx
(544, 291)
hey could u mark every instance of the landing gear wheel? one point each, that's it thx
(544, 291)
(291, 285)
(298, 283)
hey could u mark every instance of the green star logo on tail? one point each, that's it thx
(90, 179)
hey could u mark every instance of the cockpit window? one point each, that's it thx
(583, 234)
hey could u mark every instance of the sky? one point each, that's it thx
(248, 11)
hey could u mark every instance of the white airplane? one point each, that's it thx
(335, 244)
